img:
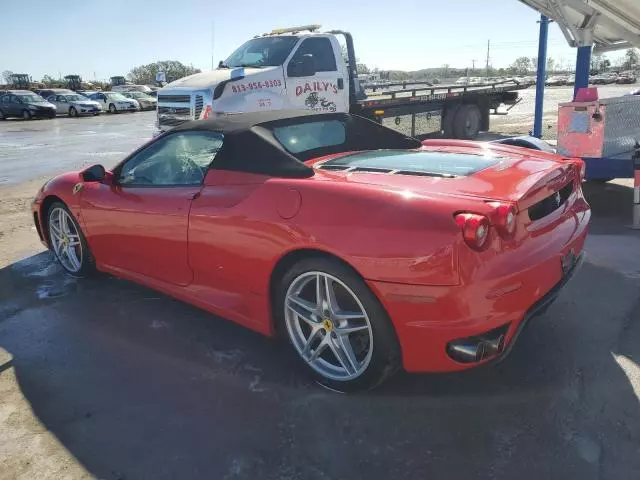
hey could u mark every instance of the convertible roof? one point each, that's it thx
(250, 145)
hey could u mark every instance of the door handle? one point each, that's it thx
(340, 84)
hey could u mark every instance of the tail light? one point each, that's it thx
(475, 229)
(505, 219)
(207, 112)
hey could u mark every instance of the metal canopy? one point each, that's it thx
(606, 24)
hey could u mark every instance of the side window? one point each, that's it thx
(322, 52)
(311, 135)
(60, 98)
(6, 99)
(177, 159)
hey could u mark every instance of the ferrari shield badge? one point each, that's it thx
(77, 187)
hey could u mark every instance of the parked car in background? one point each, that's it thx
(571, 80)
(25, 104)
(114, 102)
(556, 81)
(130, 88)
(145, 102)
(604, 79)
(74, 104)
(47, 92)
(626, 78)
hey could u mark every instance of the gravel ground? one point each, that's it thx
(105, 379)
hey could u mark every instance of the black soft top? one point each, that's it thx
(250, 145)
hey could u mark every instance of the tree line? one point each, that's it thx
(141, 75)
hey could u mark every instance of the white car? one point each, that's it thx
(74, 104)
(114, 102)
(145, 101)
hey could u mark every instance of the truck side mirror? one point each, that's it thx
(305, 66)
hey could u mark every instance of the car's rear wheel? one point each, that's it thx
(2, 116)
(112, 108)
(26, 114)
(73, 112)
(67, 241)
(336, 325)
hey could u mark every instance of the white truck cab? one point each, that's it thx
(302, 68)
(285, 69)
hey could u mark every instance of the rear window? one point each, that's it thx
(419, 162)
(310, 136)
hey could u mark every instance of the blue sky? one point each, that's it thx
(98, 39)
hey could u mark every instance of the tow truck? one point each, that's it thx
(303, 68)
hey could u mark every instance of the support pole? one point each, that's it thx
(636, 191)
(583, 65)
(541, 75)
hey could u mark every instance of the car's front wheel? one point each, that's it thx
(67, 241)
(26, 115)
(336, 325)
(112, 108)
(73, 112)
(2, 115)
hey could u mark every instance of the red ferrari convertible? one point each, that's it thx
(368, 250)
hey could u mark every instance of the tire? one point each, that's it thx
(112, 108)
(26, 115)
(2, 115)
(73, 112)
(96, 114)
(467, 122)
(373, 350)
(447, 121)
(77, 259)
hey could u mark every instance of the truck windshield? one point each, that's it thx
(262, 52)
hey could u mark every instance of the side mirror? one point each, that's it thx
(220, 64)
(95, 173)
(304, 67)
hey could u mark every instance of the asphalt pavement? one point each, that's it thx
(101, 378)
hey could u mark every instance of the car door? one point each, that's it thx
(6, 104)
(138, 222)
(61, 103)
(324, 91)
(15, 105)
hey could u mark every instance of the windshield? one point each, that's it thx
(262, 52)
(31, 98)
(75, 98)
(418, 162)
(138, 95)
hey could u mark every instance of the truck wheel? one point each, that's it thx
(466, 124)
(447, 121)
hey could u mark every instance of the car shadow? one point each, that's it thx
(137, 385)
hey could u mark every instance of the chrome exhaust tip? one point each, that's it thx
(476, 349)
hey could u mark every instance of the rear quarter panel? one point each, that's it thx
(240, 229)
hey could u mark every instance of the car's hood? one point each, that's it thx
(519, 175)
(86, 103)
(208, 79)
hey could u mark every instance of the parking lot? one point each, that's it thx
(104, 379)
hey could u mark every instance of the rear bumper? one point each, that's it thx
(427, 319)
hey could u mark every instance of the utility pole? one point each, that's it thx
(473, 66)
(488, 50)
(212, 38)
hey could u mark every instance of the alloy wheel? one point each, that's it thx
(65, 239)
(328, 326)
